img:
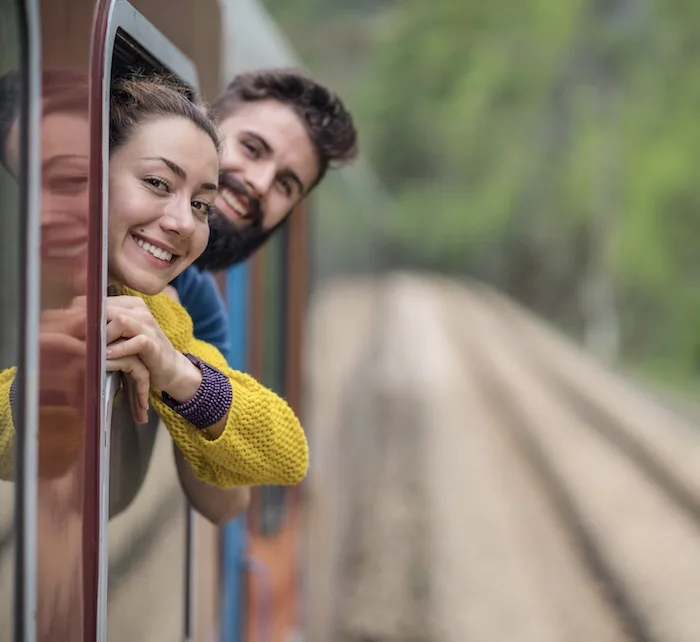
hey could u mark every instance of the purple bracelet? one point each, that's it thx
(13, 400)
(212, 400)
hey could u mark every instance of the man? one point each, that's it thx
(281, 133)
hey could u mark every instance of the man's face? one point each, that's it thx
(268, 163)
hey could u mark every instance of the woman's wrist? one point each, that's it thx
(186, 382)
(210, 404)
(13, 398)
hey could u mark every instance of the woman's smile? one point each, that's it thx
(155, 252)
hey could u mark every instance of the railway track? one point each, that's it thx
(622, 488)
(660, 441)
(557, 500)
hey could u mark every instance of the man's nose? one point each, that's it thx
(261, 178)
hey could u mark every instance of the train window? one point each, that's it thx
(16, 218)
(9, 291)
(149, 523)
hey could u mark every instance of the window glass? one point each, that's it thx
(147, 554)
(10, 281)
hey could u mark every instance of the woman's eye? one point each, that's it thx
(157, 183)
(68, 184)
(202, 207)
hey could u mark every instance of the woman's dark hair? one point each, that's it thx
(138, 99)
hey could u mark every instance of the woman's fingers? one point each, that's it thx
(132, 331)
(129, 347)
(130, 307)
(65, 322)
(123, 325)
(139, 414)
(140, 380)
(61, 345)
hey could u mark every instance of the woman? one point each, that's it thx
(163, 179)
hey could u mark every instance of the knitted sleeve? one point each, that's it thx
(7, 426)
(263, 442)
(61, 441)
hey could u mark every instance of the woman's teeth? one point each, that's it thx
(156, 251)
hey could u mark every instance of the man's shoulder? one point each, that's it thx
(193, 284)
(200, 296)
(188, 278)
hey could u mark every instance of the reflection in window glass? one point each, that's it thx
(10, 274)
(147, 547)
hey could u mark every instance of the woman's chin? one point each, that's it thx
(148, 284)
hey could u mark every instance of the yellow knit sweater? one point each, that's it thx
(262, 443)
(7, 429)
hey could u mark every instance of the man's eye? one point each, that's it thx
(252, 149)
(286, 186)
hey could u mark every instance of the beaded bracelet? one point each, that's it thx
(13, 399)
(210, 403)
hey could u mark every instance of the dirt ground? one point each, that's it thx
(462, 496)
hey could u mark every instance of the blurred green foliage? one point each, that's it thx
(549, 147)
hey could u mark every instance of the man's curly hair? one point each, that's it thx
(328, 123)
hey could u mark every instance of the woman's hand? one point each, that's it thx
(136, 384)
(135, 339)
(62, 353)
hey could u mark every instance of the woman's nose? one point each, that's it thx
(178, 218)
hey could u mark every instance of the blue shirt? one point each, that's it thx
(200, 296)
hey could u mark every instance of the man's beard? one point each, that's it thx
(229, 245)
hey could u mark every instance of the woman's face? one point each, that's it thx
(65, 141)
(162, 182)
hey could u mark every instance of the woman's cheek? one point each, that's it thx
(203, 238)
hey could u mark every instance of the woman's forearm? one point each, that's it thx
(218, 505)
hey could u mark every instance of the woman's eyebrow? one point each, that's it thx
(177, 170)
(174, 167)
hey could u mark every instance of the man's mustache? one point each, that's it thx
(229, 245)
(232, 183)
